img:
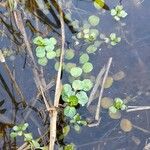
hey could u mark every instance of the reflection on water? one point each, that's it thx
(131, 56)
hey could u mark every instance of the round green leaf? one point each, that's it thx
(76, 71)
(68, 66)
(49, 47)
(77, 85)
(91, 49)
(53, 41)
(40, 51)
(73, 100)
(84, 58)
(51, 54)
(87, 67)
(69, 54)
(38, 41)
(69, 111)
(82, 98)
(94, 20)
(58, 52)
(87, 84)
(42, 61)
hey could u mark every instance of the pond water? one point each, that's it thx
(131, 56)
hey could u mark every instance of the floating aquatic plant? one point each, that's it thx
(94, 20)
(69, 54)
(45, 49)
(87, 67)
(126, 125)
(91, 49)
(112, 39)
(84, 58)
(76, 71)
(118, 12)
(117, 105)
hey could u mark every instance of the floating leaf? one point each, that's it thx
(108, 82)
(42, 61)
(116, 115)
(49, 47)
(69, 111)
(56, 66)
(97, 43)
(82, 98)
(77, 85)
(126, 125)
(69, 147)
(68, 66)
(106, 102)
(91, 49)
(87, 67)
(53, 40)
(67, 89)
(38, 41)
(69, 54)
(28, 137)
(73, 100)
(84, 58)
(13, 134)
(58, 52)
(66, 130)
(93, 20)
(76, 71)
(87, 84)
(77, 128)
(51, 54)
(40, 51)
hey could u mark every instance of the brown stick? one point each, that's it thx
(102, 89)
(58, 86)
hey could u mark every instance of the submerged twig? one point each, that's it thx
(102, 89)
(97, 83)
(137, 108)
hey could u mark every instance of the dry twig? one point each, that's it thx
(102, 89)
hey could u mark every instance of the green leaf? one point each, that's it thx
(82, 98)
(24, 126)
(53, 40)
(87, 84)
(77, 128)
(67, 89)
(40, 51)
(91, 49)
(69, 111)
(73, 100)
(68, 66)
(58, 52)
(100, 4)
(69, 147)
(28, 137)
(69, 54)
(77, 85)
(66, 130)
(112, 109)
(49, 48)
(76, 71)
(16, 128)
(97, 43)
(94, 20)
(51, 54)
(42, 61)
(84, 58)
(19, 133)
(87, 67)
(13, 134)
(38, 41)
(36, 144)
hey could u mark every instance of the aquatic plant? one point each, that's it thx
(118, 12)
(112, 39)
(45, 49)
(19, 130)
(117, 105)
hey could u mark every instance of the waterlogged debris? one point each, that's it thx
(106, 102)
(126, 125)
(87, 67)
(76, 71)
(108, 82)
(116, 115)
(94, 20)
(136, 140)
(119, 76)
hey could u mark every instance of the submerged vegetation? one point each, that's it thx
(51, 51)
